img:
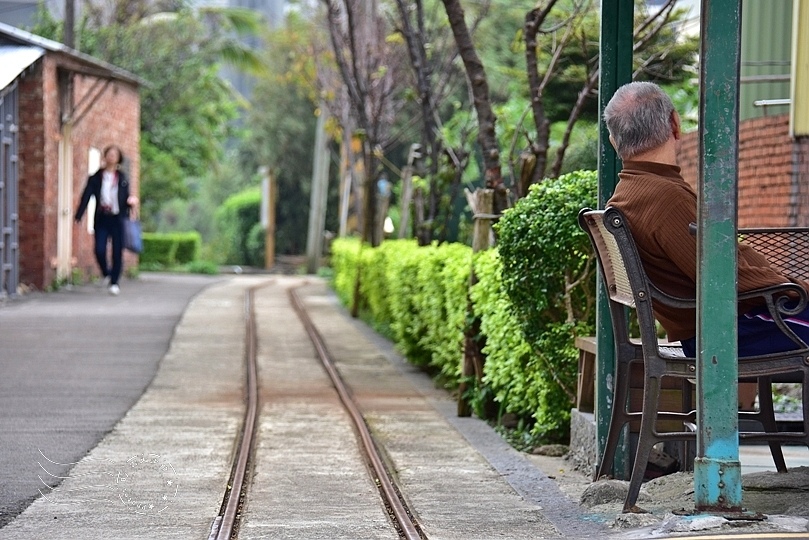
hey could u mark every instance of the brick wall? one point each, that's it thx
(766, 197)
(802, 173)
(31, 195)
(112, 115)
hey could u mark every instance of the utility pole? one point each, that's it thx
(70, 23)
(319, 195)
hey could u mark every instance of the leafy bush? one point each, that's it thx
(508, 372)
(344, 258)
(168, 249)
(157, 249)
(548, 274)
(235, 220)
(202, 267)
(534, 295)
(188, 247)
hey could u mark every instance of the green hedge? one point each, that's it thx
(416, 296)
(239, 236)
(548, 275)
(535, 293)
(169, 249)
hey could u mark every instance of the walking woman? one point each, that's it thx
(110, 187)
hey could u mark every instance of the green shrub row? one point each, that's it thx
(240, 236)
(169, 249)
(534, 294)
(416, 296)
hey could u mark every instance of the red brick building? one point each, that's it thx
(773, 172)
(60, 109)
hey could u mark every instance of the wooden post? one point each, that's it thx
(407, 199)
(269, 191)
(482, 203)
(407, 189)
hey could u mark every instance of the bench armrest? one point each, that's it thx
(669, 300)
(782, 301)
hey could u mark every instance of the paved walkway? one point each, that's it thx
(152, 464)
(73, 363)
(161, 471)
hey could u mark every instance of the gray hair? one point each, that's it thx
(638, 118)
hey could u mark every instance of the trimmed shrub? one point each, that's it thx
(168, 249)
(188, 247)
(344, 258)
(158, 248)
(416, 296)
(235, 220)
(509, 370)
(535, 293)
(548, 274)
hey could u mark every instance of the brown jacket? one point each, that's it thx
(659, 206)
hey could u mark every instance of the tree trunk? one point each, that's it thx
(481, 203)
(533, 20)
(479, 86)
(575, 112)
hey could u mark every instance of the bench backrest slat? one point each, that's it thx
(614, 270)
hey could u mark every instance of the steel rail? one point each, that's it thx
(407, 525)
(225, 524)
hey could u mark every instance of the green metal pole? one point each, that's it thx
(615, 69)
(717, 471)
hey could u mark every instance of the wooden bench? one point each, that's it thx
(628, 286)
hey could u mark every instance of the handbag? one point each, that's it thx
(133, 235)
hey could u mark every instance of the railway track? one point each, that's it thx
(226, 525)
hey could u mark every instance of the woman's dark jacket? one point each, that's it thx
(93, 189)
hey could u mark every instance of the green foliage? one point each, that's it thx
(344, 257)
(281, 133)
(161, 179)
(170, 249)
(235, 222)
(186, 108)
(548, 275)
(508, 356)
(667, 57)
(188, 245)
(255, 245)
(417, 295)
(534, 294)
(583, 150)
(202, 267)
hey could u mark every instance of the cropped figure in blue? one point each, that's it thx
(110, 187)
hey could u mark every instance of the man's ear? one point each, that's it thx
(675, 125)
(612, 142)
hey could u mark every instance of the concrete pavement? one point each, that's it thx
(72, 363)
(160, 472)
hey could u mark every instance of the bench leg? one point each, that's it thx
(767, 419)
(617, 419)
(805, 398)
(646, 440)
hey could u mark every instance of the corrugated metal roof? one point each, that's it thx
(14, 59)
